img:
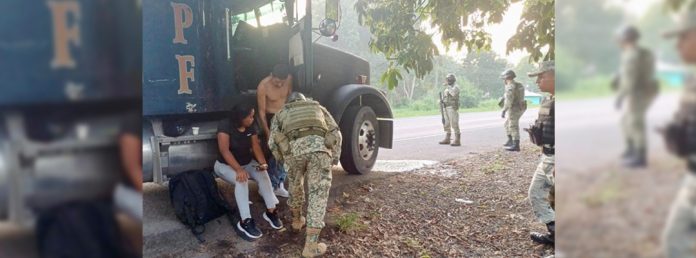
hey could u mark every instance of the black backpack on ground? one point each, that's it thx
(196, 200)
(81, 229)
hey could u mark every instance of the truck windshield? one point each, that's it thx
(269, 14)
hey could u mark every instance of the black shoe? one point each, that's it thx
(546, 239)
(249, 229)
(539, 238)
(273, 220)
(515, 146)
(636, 160)
(629, 150)
(509, 142)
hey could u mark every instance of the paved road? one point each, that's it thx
(417, 138)
(589, 134)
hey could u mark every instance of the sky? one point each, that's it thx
(500, 33)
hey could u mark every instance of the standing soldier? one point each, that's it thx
(680, 136)
(514, 106)
(542, 134)
(450, 100)
(636, 87)
(306, 137)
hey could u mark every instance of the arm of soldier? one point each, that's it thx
(508, 99)
(272, 143)
(261, 102)
(630, 69)
(336, 139)
(223, 140)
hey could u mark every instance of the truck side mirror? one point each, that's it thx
(329, 25)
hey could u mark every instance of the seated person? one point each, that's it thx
(239, 159)
(272, 93)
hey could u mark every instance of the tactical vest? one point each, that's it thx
(451, 101)
(546, 121)
(303, 115)
(521, 104)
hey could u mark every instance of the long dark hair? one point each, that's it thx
(238, 113)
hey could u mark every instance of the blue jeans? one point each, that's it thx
(277, 172)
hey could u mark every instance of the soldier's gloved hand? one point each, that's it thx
(334, 162)
(503, 115)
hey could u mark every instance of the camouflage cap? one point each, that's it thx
(685, 20)
(543, 67)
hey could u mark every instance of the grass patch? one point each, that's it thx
(349, 222)
(606, 193)
(415, 244)
(494, 167)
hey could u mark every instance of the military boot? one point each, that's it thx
(546, 239)
(629, 150)
(509, 142)
(312, 246)
(456, 140)
(514, 147)
(298, 221)
(636, 160)
(447, 139)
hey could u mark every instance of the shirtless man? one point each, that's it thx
(271, 95)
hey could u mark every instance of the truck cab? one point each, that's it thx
(201, 57)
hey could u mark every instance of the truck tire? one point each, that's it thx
(360, 140)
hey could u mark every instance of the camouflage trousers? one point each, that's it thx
(542, 183)
(451, 120)
(633, 125)
(316, 169)
(679, 236)
(512, 125)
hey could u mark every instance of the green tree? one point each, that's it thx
(399, 35)
(483, 70)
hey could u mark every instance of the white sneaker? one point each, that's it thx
(280, 191)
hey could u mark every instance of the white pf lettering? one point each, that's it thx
(63, 33)
(185, 73)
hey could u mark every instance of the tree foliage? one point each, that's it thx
(675, 5)
(398, 32)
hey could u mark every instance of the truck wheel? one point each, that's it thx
(360, 140)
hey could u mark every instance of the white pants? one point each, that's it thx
(241, 189)
(129, 200)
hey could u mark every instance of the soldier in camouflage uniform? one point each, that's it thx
(636, 87)
(450, 100)
(679, 238)
(514, 106)
(305, 136)
(542, 134)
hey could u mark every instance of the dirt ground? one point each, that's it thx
(615, 212)
(473, 207)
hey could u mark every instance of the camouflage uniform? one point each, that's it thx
(543, 180)
(679, 239)
(636, 88)
(679, 235)
(514, 107)
(308, 155)
(450, 97)
(542, 134)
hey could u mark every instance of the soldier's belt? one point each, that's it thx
(297, 134)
